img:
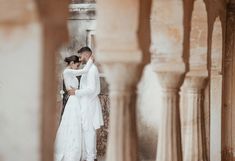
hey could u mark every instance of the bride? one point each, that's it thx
(68, 143)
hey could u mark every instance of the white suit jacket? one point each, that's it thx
(89, 100)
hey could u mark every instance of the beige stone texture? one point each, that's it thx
(192, 37)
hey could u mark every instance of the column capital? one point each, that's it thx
(170, 74)
(195, 81)
(170, 79)
(121, 76)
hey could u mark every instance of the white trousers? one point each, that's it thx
(89, 144)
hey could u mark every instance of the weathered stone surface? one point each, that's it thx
(193, 127)
(198, 37)
(120, 57)
(20, 92)
(167, 28)
(148, 113)
(12, 12)
(35, 40)
(216, 83)
(167, 62)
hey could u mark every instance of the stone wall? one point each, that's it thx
(20, 92)
(20, 81)
(28, 82)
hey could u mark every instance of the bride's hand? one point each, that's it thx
(71, 91)
(92, 58)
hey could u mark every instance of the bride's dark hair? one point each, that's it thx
(73, 58)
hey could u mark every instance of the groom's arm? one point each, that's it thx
(91, 84)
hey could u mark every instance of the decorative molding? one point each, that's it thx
(82, 11)
(82, 8)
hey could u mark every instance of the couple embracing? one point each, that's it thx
(82, 116)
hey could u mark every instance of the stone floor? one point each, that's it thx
(100, 159)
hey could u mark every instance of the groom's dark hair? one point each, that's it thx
(84, 49)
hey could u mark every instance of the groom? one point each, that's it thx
(90, 105)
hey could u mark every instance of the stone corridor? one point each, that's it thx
(167, 69)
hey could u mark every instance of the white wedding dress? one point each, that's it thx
(68, 143)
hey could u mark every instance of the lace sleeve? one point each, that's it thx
(66, 79)
(81, 71)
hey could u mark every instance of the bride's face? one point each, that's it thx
(74, 65)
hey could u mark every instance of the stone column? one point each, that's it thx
(119, 54)
(228, 117)
(167, 50)
(216, 92)
(55, 34)
(194, 84)
(193, 132)
(169, 140)
(122, 139)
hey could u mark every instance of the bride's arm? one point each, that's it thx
(81, 71)
(66, 81)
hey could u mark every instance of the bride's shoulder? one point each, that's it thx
(66, 71)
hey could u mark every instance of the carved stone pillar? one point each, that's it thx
(193, 134)
(216, 92)
(167, 50)
(193, 130)
(169, 139)
(122, 142)
(119, 54)
(55, 34)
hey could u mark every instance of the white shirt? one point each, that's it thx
(89, 100)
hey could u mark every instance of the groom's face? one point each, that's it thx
(85, 56)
